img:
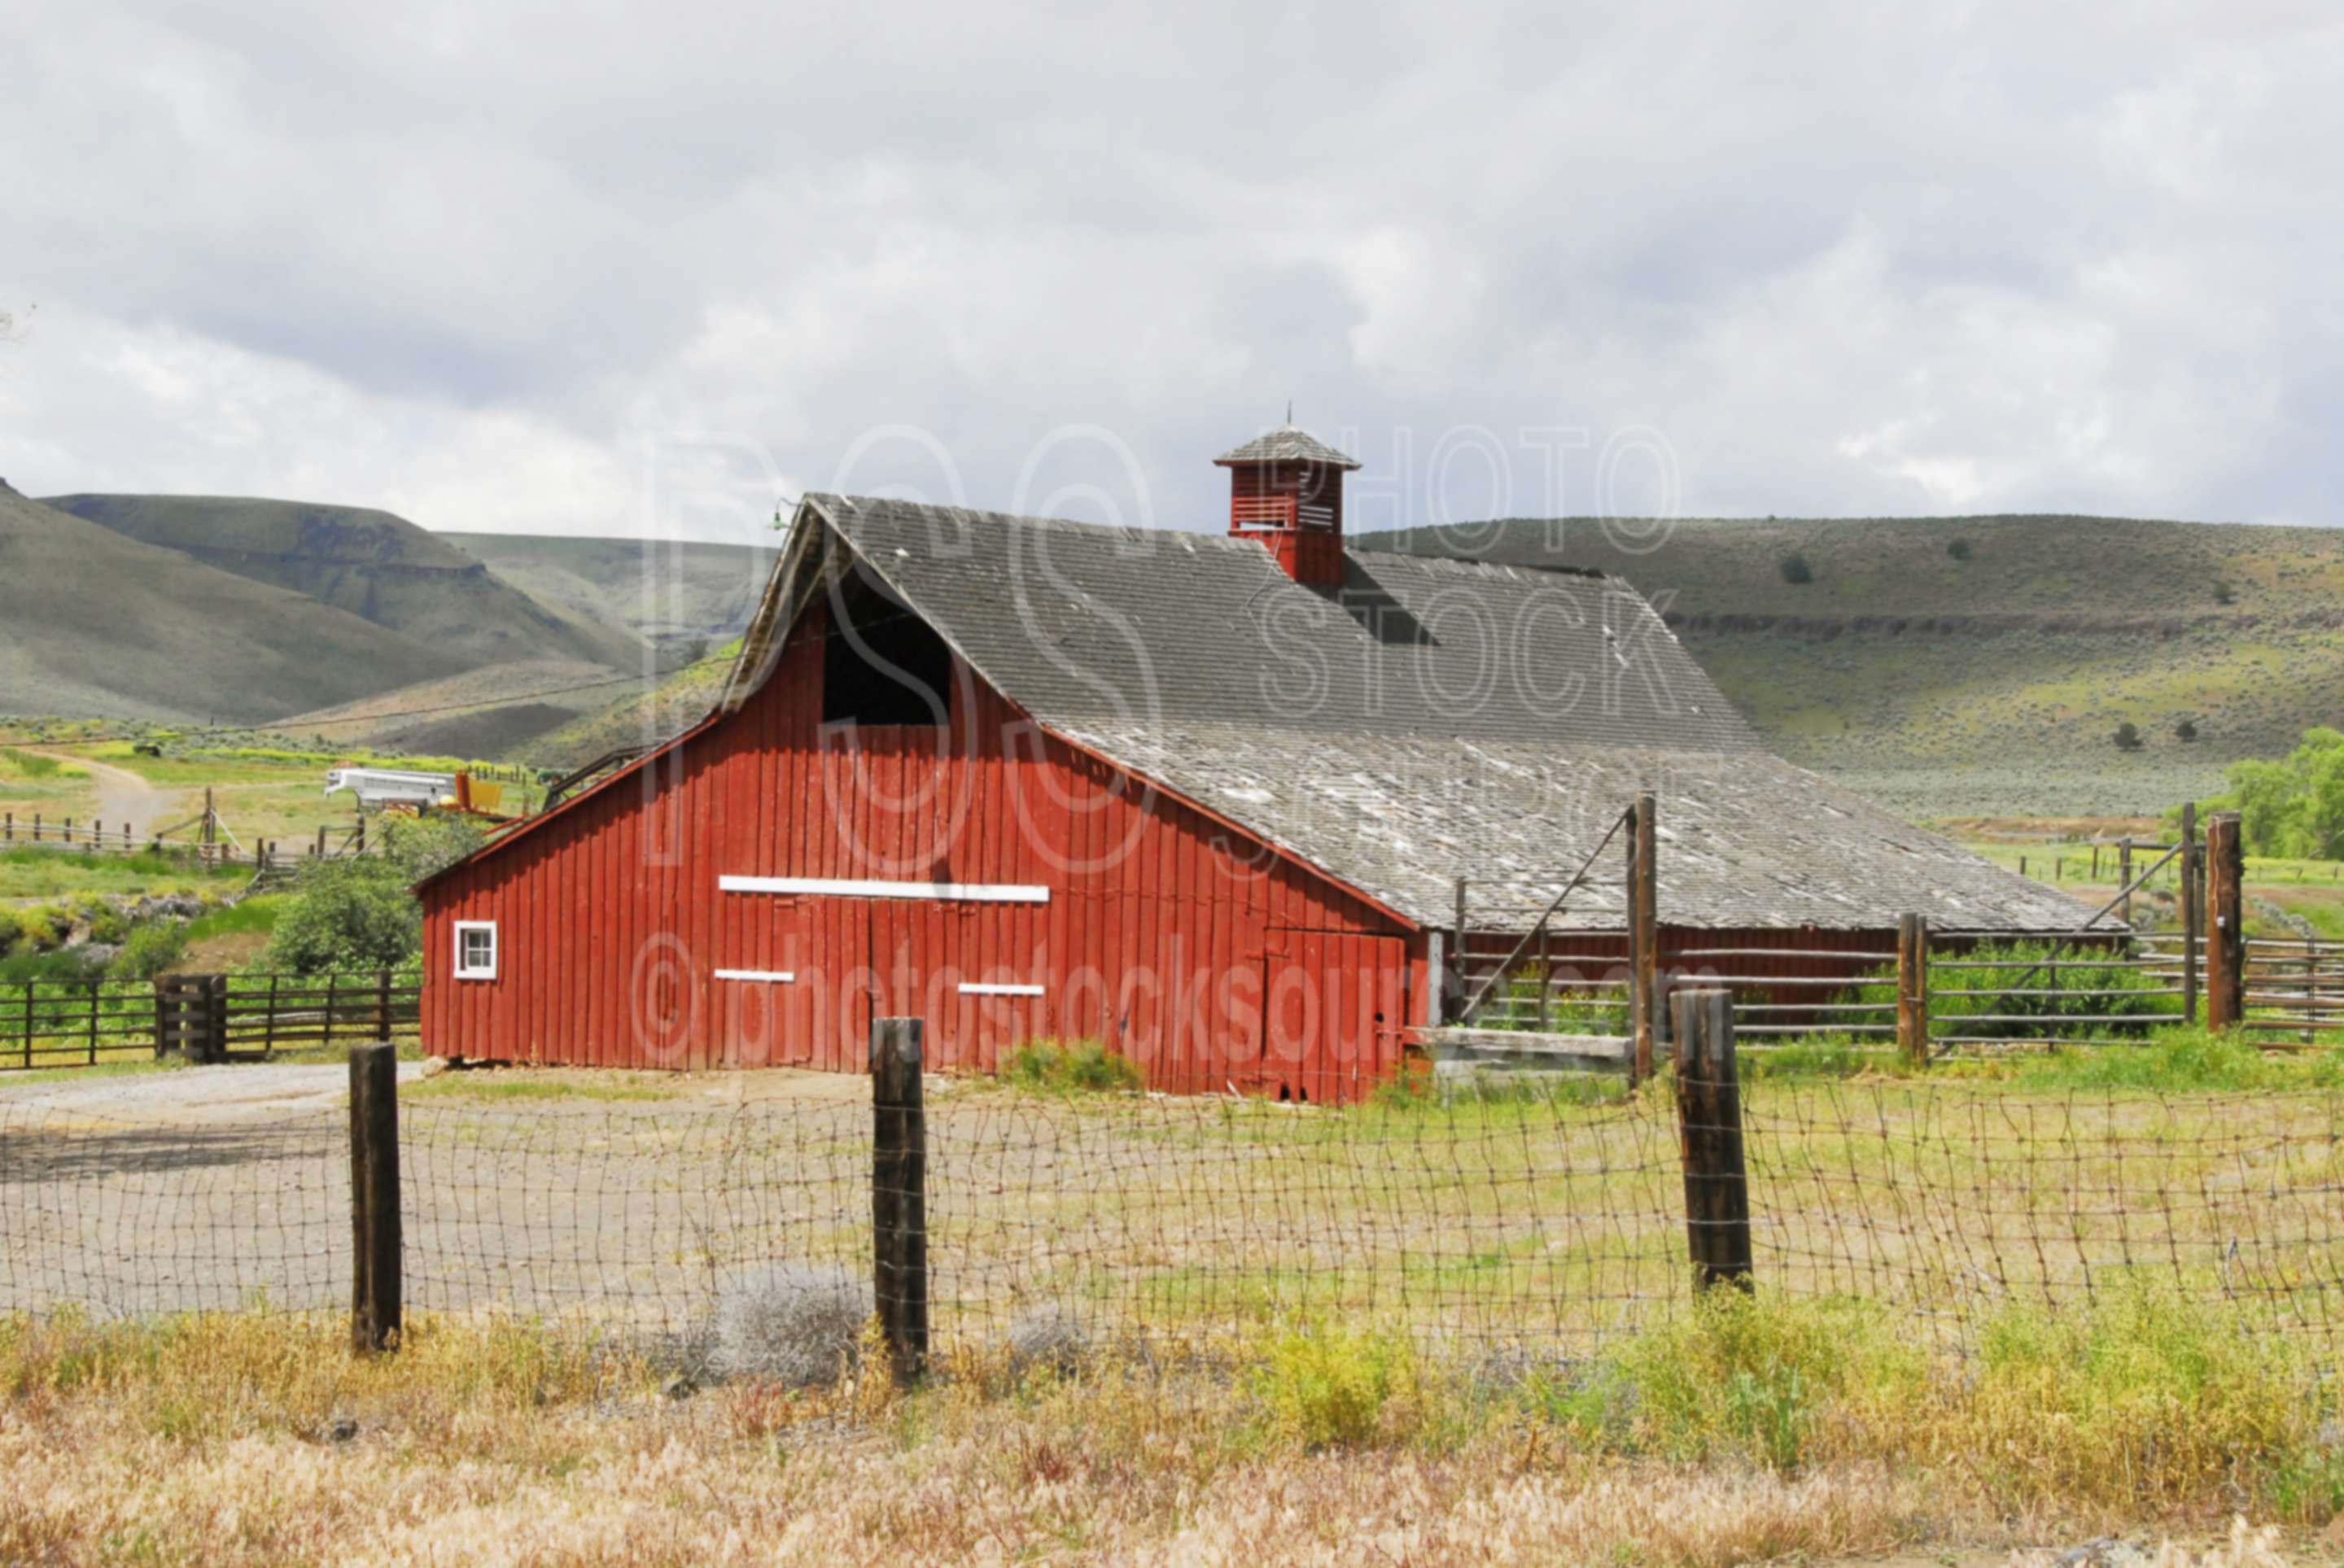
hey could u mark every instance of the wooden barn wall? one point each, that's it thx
(1210, 961)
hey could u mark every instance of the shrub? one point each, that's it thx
(1795, 569)
(1085, 1067)
(791, 1324)
(2128, 735)
(2186, 731)
(1741, 1379)
(361, 913)
(2011, 988)
(1330, 1388)
(151, 950)
(1959, 550)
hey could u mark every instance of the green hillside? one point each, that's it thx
(682, 598)
(96, 623)
(1980, 666)
(638, 717)
(375, 566)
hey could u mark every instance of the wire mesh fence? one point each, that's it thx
(1550, 1223)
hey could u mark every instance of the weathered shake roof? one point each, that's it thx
(1428, 720)
(1287, 444)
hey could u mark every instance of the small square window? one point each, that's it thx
(476, 950)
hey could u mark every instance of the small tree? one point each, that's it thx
(2186, 731)
(2129, 735)
(1795, 569)
(1959, 550)
(361, 913)
(2225, 594)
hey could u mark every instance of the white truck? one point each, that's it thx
(378, 787)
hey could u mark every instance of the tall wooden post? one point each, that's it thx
(899, 1195)
(2226, 934)
(1643, 928)
(1456, 984)
(382, 1004)
(1913, 989)
(375, 1284)
(1709, 1123)
(2124, 880)
(2193, 911)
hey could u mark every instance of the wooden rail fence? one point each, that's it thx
(201, 1018)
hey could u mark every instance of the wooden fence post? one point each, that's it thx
(1913, 989)
(1643, 929)
(374, 1198)
(1708, 1123)
(2226, 936)
(2193, 912)
(2124, 879)
(1455, 984)
(899, 1194)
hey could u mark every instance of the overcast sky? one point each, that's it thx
(603, 267)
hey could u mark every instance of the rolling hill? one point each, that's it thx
(681, 597)
(638, 717)
(499, 710)
(96, 623)
(372, 564)
(1979, 666)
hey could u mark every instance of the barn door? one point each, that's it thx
(1331, 1016)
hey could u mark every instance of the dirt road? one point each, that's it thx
(123, 796)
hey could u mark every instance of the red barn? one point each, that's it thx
(1206, 799)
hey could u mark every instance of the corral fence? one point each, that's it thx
(1521, 1230)
(1578, 997)
(208, 845)
(200, 1018)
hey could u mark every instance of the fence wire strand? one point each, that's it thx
(1543, 1224)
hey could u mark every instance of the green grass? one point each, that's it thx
(17, 766)
(1085, 1067)
(64, 875)
(255, 915)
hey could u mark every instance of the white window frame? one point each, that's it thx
(496, 951)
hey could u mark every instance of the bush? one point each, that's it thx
(1329, 1388)
(361, 913)
(150, 951)
(1085, 1067)
(1959, 550)
(2012, 989)
(1795, 569)
(1744, 1380)
(2128, 735)
(2186, 731)
(791, 1324)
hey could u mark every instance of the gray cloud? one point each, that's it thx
(468, 260)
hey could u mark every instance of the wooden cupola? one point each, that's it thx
(1286, 490)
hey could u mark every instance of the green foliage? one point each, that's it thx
(2186, 731)
(2128, 735)
(2177, 1058)
(2293, 807)
(1742, 1379)
(1819, 1055)
(1086, 1067)
(355, 914)
(1960, 549)
(1333, 1387)
(1795, 569)
(32, 766)
(151, 950)
(361, 913)
(2150, 1386)
(2013, 986)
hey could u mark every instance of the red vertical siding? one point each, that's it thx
(1161, 921)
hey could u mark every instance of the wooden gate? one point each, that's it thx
(191, 1017)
